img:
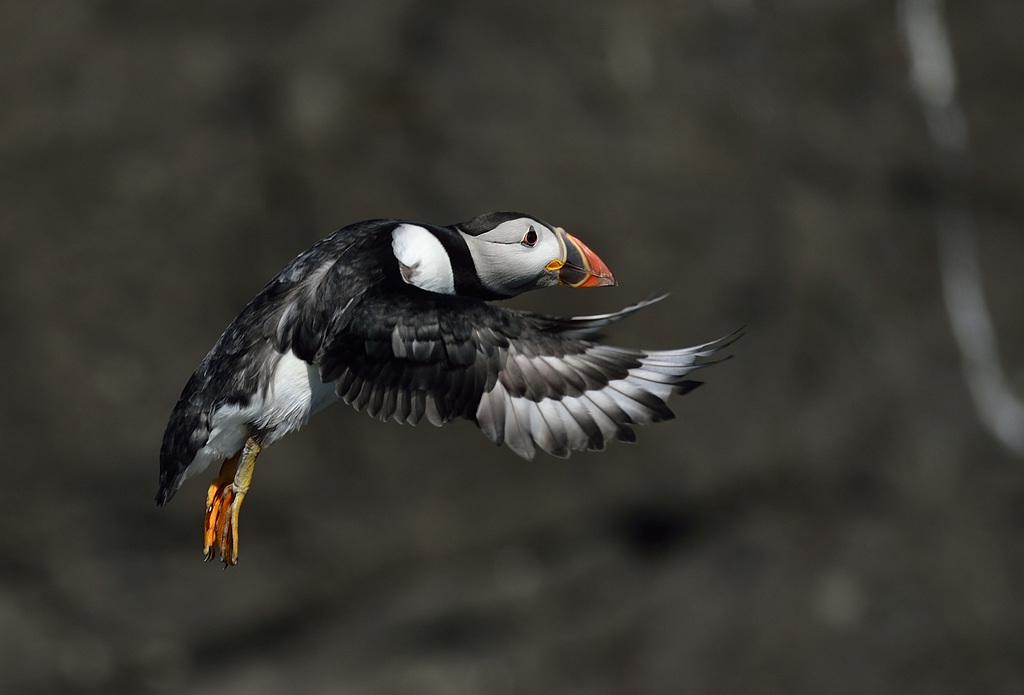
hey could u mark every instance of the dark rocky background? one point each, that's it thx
(826, 516)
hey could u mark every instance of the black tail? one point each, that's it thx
(187, 431)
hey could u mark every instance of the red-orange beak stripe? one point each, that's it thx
(583, 267)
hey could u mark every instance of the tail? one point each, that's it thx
(188, 430)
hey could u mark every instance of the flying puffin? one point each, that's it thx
(393, 318)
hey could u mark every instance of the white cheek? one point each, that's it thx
(553, 251)
(512, 268)
(422, 258)
(550, 249)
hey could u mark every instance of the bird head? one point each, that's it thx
(500, 254)
(513, 253)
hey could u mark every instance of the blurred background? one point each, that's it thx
(830, 514)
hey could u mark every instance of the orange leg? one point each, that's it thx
(224, 502)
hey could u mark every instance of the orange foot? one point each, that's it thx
(224, 502)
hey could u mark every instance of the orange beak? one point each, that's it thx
(581, 267)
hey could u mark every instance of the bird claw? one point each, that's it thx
(221, 533)
(223, 504)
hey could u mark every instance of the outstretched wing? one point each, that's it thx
(586, 396)
(527, 380)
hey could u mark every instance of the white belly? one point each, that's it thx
(293, 395)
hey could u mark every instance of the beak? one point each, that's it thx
(581, 266)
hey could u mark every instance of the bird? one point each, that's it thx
(398, 319)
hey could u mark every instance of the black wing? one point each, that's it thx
(526, 380)
(585, 396)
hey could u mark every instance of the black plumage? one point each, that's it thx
(382, 345)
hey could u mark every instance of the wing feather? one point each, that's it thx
(529, 381)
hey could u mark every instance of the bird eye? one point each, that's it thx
(531, 238)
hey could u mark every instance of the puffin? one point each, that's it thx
(395, 318)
